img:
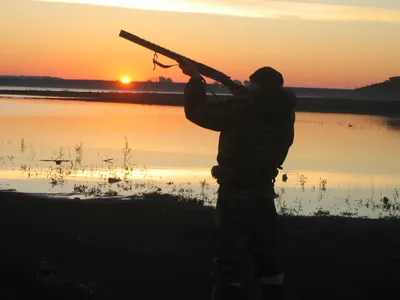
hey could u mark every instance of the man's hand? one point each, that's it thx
(188, 68)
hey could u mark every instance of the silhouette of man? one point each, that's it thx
(256, 132)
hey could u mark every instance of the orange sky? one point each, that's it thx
(315, 44)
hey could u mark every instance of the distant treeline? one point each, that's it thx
(306, 104)
(147, 86)
(388, 90)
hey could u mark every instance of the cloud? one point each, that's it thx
(257, 9)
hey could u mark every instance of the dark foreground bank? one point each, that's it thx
(305, 104)
(159, 248)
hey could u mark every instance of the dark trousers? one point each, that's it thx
(246, 237)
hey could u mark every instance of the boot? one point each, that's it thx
(273, 292)
(224, 291)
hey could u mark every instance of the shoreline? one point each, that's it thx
(161, 247)
(305, 104)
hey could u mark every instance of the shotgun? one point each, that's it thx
(203, 69)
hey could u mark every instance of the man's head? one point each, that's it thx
(266, 78)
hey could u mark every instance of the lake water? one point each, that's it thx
(341, 163)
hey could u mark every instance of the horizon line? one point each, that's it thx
(173, 82)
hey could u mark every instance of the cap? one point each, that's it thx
(267, 77)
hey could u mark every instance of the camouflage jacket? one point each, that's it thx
(256, 132)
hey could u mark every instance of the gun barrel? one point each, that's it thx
(203, 69)
(161, 50)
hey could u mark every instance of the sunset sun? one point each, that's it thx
(125, 80)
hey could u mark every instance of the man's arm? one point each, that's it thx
(197, 108)
(214, 116)
(199, 111)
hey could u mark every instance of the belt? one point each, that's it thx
(226, 175)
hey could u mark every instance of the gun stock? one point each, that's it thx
(203, 69)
